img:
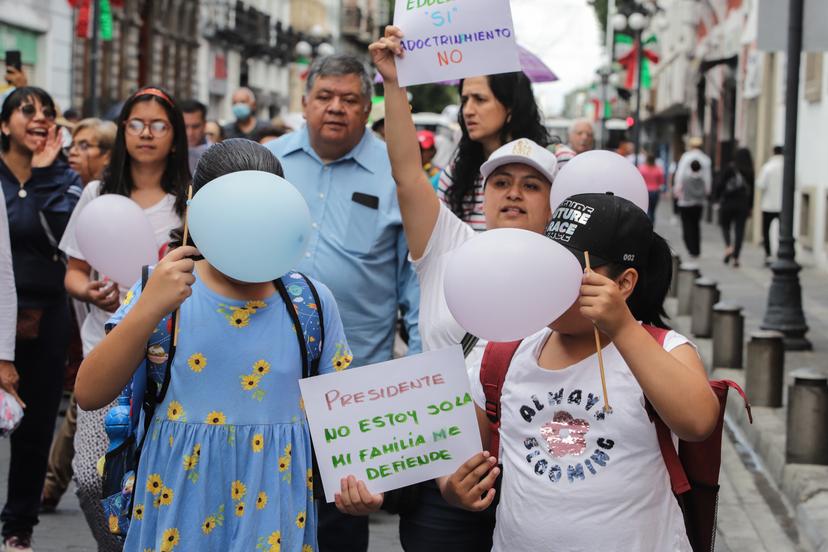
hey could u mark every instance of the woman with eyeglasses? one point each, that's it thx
(88, 155)
(149, 164)
(40, 191)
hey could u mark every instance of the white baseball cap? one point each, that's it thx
(522, 151)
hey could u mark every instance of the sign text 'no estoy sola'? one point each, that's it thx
(446, 40)
(392, 424)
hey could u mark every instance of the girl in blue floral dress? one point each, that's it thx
(227, 461)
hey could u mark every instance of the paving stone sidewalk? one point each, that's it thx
(805, 487)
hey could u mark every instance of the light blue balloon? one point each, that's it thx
(252, 226)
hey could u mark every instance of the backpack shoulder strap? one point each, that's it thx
(678, 478)
(496, 360)
(305, 309)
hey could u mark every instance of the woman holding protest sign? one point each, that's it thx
(149, 165)
(516, 182)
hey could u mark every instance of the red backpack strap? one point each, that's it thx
(496, 360)
(678, 478)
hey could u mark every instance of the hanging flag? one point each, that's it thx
(105, 20)
(629, 61)
(82, 23)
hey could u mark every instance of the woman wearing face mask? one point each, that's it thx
(495, 109)
(92, 141)
(40, 192)
(149, 165)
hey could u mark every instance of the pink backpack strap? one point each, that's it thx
(496, 360)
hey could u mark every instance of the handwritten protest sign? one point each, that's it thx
(394, 423)
(453, 39)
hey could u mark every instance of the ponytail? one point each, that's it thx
(646, 302)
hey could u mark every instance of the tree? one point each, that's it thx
(601, 9)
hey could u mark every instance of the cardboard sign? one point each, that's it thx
(446, 40)
(394, 423)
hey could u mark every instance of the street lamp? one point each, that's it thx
(784, 312)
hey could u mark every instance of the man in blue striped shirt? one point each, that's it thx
(357, 248)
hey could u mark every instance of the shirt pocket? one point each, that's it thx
(362, 229)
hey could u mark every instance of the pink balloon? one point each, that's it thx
(507, 284)
(599, 171)
(116, 238)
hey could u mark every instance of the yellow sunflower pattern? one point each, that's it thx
(191, 463)
(271, 543)
(154, 484)
(250, 382)
(130, 295)
(261, 500)
(138, 512)
(175, 412)
(284, 463)
(215, 418)
(257, 442)
(342, 358)
(197, 362)
(214, 520)
(301, 518)
(239, 317)
(164, 498)
(170, 539)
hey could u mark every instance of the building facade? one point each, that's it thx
(42, 31)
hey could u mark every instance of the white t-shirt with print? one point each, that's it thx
(574, 479)
(162, 218)
(438, 328)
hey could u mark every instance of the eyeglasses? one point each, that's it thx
(136, 127)
(83, 146)
(29, 110)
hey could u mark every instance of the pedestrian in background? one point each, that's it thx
(92, 142)
(150, 166)
(770, 183)
(213, 132)
(244, 110)
(195, 120)
(357, 246)
(654, 178)
(734, 193)
(692, 185)
(581, 136)
(40, 192)
(495, 109)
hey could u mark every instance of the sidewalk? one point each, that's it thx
(804, 486)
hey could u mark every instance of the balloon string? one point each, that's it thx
(183, 243)
(607, 408)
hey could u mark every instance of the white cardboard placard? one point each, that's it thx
(446, 40)
(394, 423)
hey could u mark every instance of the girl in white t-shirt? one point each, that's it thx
(149, 164)
(576, 477)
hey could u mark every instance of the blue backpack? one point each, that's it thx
(127, 422)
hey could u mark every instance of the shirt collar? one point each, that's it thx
(363, 154)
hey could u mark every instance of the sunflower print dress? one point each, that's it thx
(227, 461)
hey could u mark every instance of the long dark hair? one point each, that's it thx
(743, 162)
(646, 303)
(514, 91)
(15, 100)
(231, 155)
(117, 178)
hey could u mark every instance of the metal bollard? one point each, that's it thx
(705, 295)
(807, 423)
(765, 368)
(674, 280)
(728, 332)
(687, 275)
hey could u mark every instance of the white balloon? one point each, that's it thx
(507, 284)
(599, 171)
(116, 238)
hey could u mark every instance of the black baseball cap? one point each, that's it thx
(614, 230)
